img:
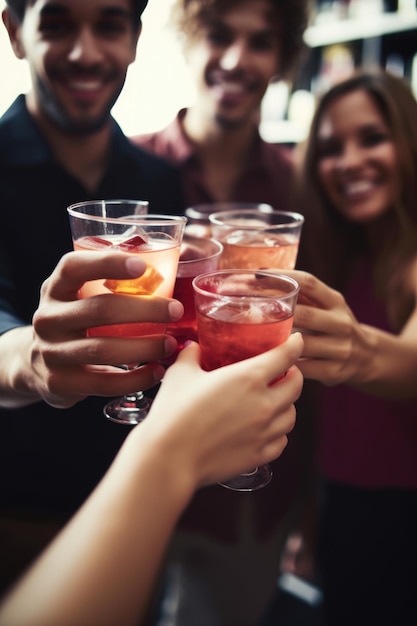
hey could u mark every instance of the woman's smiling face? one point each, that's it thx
(357, 162)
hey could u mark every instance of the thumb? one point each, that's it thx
(190, 354)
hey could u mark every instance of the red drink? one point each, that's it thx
(224, 341)
(240, 314)
(198, 255)
(186, 328)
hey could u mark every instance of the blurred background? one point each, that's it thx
(343, 34)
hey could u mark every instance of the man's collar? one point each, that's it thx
(24, 144)
(179, 147)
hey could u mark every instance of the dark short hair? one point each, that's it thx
(18, 8)
(292, 17)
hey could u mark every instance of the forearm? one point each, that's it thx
(106, 561)
(16, 374)
(388, 367)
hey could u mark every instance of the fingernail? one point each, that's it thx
(135, 265)
(170, 345)
(158, 373)
(176, 310)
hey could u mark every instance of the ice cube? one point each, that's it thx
(133, 244)
(275, 241)
(144, 285)
(95, 243)
(231, 312)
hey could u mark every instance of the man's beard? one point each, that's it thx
(57, 115)
(227, 124)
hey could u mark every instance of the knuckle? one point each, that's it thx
(99, 309)
(305, 315)
(53, 382)
(310, 282)
(98, 352)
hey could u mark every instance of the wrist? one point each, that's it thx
(154, 451)
(16, 379)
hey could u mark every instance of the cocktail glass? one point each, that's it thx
(102, 225)
(197, 256)
(242, 313)
(198, 222)
(257, 239)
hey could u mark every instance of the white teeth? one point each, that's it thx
(360, 186)
(232, 88)
(82, 86)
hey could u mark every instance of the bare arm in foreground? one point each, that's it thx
(101, 569)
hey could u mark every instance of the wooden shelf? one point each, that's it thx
(283, 131)
(342, 31)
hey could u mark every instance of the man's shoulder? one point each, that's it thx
(169, 143)
(20, 140)
(156, 143)
(11, 120)
(151, 162)
(278, 154)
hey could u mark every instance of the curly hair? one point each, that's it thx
(290, 16)
(18, 8)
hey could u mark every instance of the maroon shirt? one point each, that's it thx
(266, 178)
(215, 510)
(366, 441)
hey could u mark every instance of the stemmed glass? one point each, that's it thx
(242, 313)
(106, 225)
(257, 239)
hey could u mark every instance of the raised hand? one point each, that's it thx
(339, 349)
(247, 425)
(336, 346)
(55, 361)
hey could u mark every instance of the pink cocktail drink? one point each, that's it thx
(161, 258)
(247, 251)
(257, 239)
(125, 226)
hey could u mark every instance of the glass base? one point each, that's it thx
(250, 481)
(130, 409)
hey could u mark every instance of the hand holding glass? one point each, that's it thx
(156, 238)
(242, 313)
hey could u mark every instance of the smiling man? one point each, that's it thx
(234, 49)
(59, 145)
(226, 553)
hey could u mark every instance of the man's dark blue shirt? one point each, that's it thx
(50, 459)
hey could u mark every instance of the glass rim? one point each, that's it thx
(270, 274)
(109, 201)
(219, 250)
(195, 211)
(298, 219)
(156, 219)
